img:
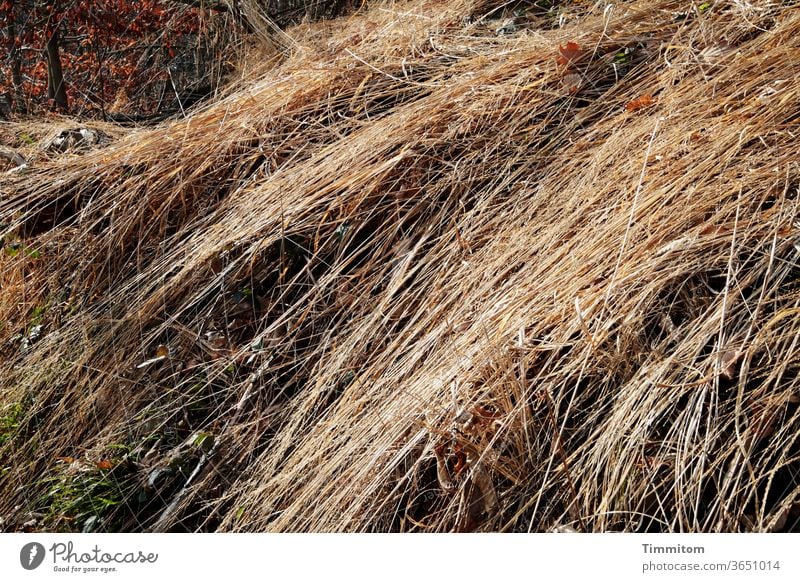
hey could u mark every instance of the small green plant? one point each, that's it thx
(10, 417)
(26, 138)
(240, 513)
(203, 441)
(12, 249)
(84, 498)
(38, 314)
(623, 57)
(81, 495)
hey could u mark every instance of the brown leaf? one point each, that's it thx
(645, 100)
(729, 363)
(572, 82)
(105, 464)
(461, 460)
(568, 54)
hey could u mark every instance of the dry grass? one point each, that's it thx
(420, 276)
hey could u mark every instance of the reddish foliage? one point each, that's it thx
(569, 54)
(106, 47)
(567, 57)
(460, 459)
(640, 103)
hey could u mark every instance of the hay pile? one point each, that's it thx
(429, 272)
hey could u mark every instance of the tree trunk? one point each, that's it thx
(15, 101)
(16, 79)
(56, 88)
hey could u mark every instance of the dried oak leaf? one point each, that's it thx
(572, 83)
(645, 100)
(568, 54)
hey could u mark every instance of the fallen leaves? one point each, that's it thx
(572, 82)
(569, 54)
(162, 353)
(102, 464)
(645, 100)
(567, 58)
